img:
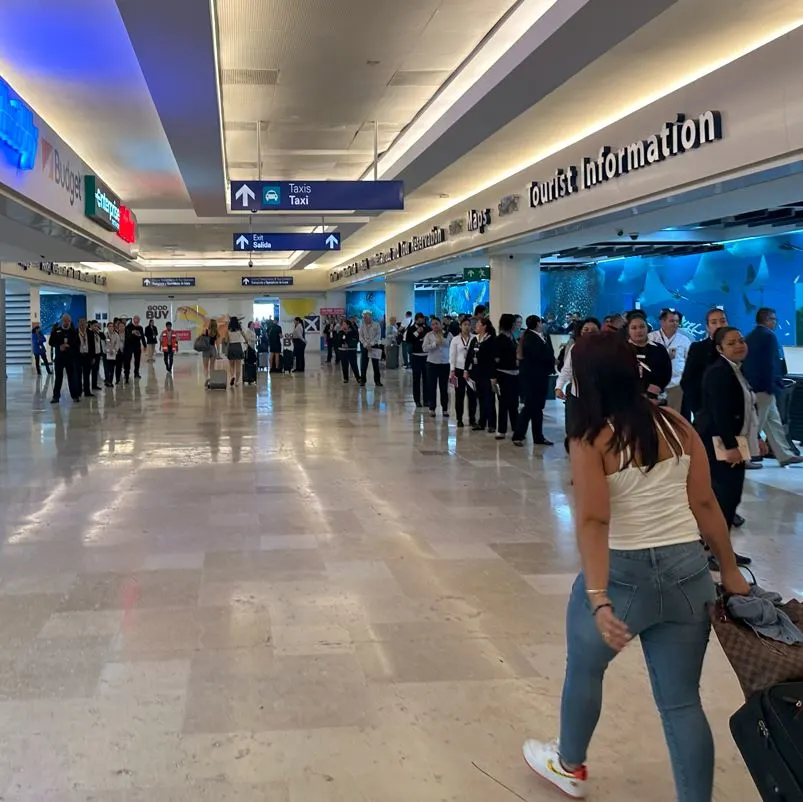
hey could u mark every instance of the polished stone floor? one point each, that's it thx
(306, 592)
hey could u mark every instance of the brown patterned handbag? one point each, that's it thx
(758, 662)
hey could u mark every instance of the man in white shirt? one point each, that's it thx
(677, 344)
(370, 341)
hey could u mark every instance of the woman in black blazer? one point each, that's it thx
(481, 369)
(728, 411)
(655, 364)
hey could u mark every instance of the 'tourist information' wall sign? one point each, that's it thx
(673, 139)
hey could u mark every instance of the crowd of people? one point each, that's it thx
(79, 353)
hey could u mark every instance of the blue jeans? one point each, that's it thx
(661, 594)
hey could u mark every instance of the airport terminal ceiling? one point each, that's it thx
(260, 108)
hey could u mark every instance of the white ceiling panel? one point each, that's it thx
(337, 65)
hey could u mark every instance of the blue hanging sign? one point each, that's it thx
(266, 281)
(18, 134)
(166, 283)
(286, 242)
(317, 196)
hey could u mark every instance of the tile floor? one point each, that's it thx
(305, 592)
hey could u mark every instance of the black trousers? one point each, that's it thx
(438, 381)
(364, 367)
(87, 361)
(348, 359)
(118, 367)
(534, 391)
(69, 367)
(727, 482)
(299, 349)
(168, 357)
(508, 401)
(461, 391)
(330, 348)
(420, 384)
(136, 355)
(486, 399)
(39, 359)
(96, 360)
(109, 366)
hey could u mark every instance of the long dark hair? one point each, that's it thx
(234, 324)
(611, 393)
(506, 323)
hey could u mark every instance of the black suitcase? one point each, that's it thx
(249, 372)
(768, 729)
(287, 360)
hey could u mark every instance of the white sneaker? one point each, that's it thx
(544, 760)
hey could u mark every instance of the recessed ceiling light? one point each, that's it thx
(443, 195)
(373, 62)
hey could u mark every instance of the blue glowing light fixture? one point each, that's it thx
(18, 134)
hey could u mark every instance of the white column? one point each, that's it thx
(399, 299)
(35, 310)
(515, 286)
(335, 299)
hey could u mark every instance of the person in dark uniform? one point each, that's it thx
(481, 369)
(536, 365)
(414, 337)
(701, 356)
(655, 364)
(151, 338)
(727, 411)
(134, 338)
(67, 347)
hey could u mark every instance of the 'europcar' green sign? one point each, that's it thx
(101, 204)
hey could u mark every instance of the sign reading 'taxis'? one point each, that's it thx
(286, 242)
(318, 196)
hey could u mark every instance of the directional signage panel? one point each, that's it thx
(319, 196)
(286, 242)
(166, 283)
(267, 281)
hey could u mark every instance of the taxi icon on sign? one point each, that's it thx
(271, 196)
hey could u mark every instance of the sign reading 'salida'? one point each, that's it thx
(674, 139)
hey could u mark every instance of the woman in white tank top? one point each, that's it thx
(642, 496)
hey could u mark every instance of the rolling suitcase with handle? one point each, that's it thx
(768, 729)
(218, 380)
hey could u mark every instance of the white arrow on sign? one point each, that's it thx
(242, 242)
(147, 282)
(246, 282)
(243, 194)
(332, 241)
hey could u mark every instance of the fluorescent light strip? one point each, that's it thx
(579, 136)
(478, 65)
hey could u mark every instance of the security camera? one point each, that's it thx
(254, 210)
(250, 264)
(511, 256)
(633, 235)
(620, 233)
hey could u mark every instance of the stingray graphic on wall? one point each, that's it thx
(706, 277)
(655, 293)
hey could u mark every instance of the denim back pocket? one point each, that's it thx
(698, 591)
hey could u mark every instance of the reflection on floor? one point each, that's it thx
(305, 593)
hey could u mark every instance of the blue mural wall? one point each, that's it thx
(52, 307)
(359, 301)
(747, 274)
(462, 299)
